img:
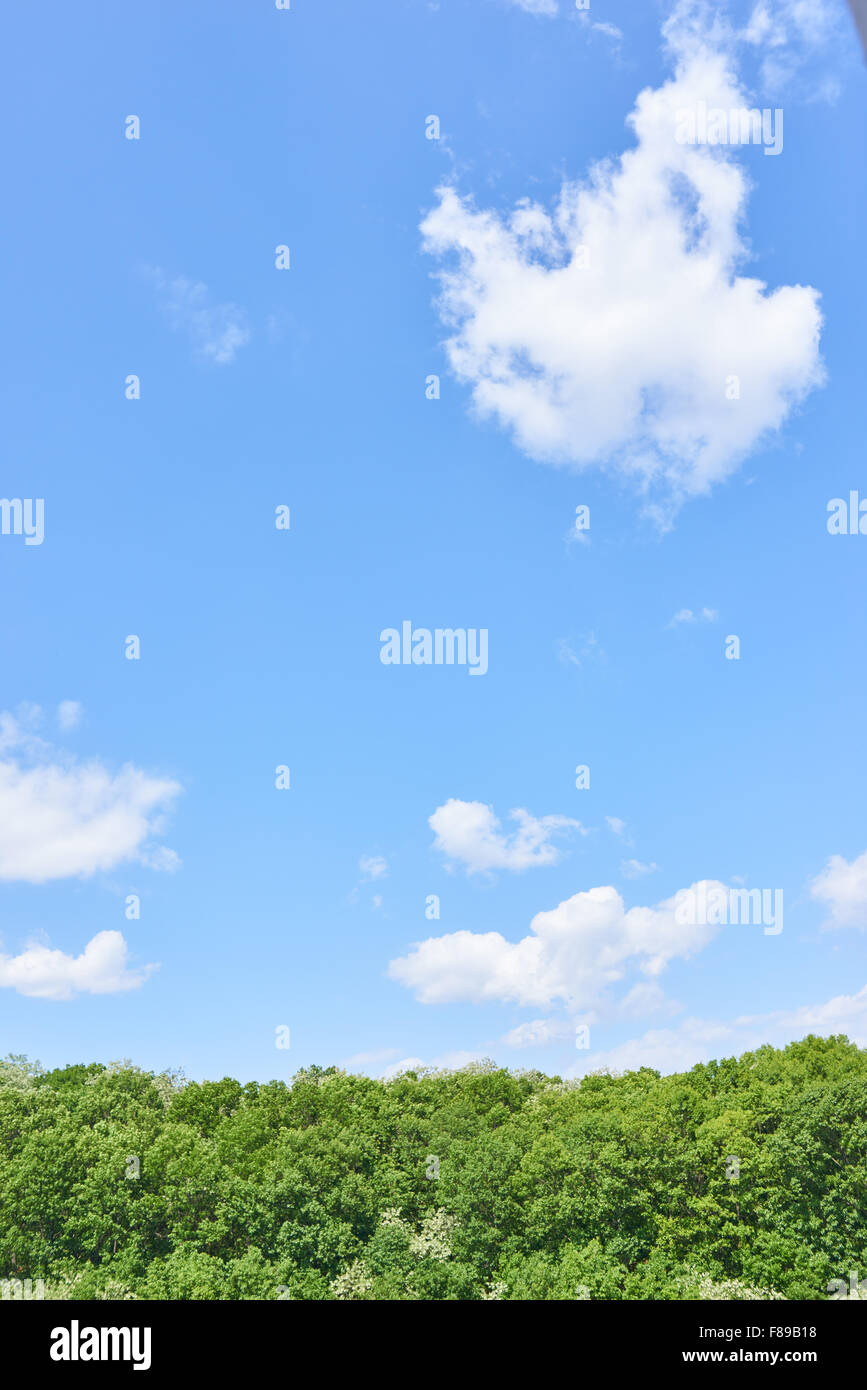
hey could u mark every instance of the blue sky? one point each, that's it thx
(305, 908)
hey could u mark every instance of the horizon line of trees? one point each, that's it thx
(739, 1179)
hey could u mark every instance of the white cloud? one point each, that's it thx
(701, 1040)
(609, 361)
(469, 832)
(633, 868)
(69, 714)
(642, 1001)
(451, 1061)
(540, 1032)
(686, 615)
(373, 866)
(102, 968)
(405, 1064)
(615, 824)
(160, 858)
(367, 1059)
(60, 818)
(645, 999)
(550, 9)
(216, 331)
(18, 730)
(574, 954)
(789, 34)
(610, 31)
(545, 7)
(588, 647)
(843, 887)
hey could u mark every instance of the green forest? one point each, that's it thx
(740, 1179)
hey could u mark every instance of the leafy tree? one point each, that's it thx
(745, 1178)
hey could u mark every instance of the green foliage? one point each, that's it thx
(472, 1184)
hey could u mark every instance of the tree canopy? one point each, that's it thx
(742, 1178)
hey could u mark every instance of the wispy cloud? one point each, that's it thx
(550, 9)
(69, 714)
(578, 653)
(789, 35)
(369, 1059)
(701, 1039)
(543, 7)
(216, 331)
(373, 866)
(633, 868)
(446, 1061)
(686, 615)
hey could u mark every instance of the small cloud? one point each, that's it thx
(567, 653)
(686, 615)
(469, 832)
(69, 714)
(376, 901)
(792, 34)
(615, 824)
(843, 887)
(216, 331)
(162, 859)
(368, 1059)
(42, 973)
(644, 1000)
(610, 31)
(543, 7)
(633, 868)
(18, 731)
(373, 866)
(447, 1061)
(577, 653)
(539, 1032)
(405, 1064)
(698, 1040)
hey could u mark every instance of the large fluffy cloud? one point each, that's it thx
(470, 833)
(60, 818)
(573, 954)
(102, 968)
(607, 329)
